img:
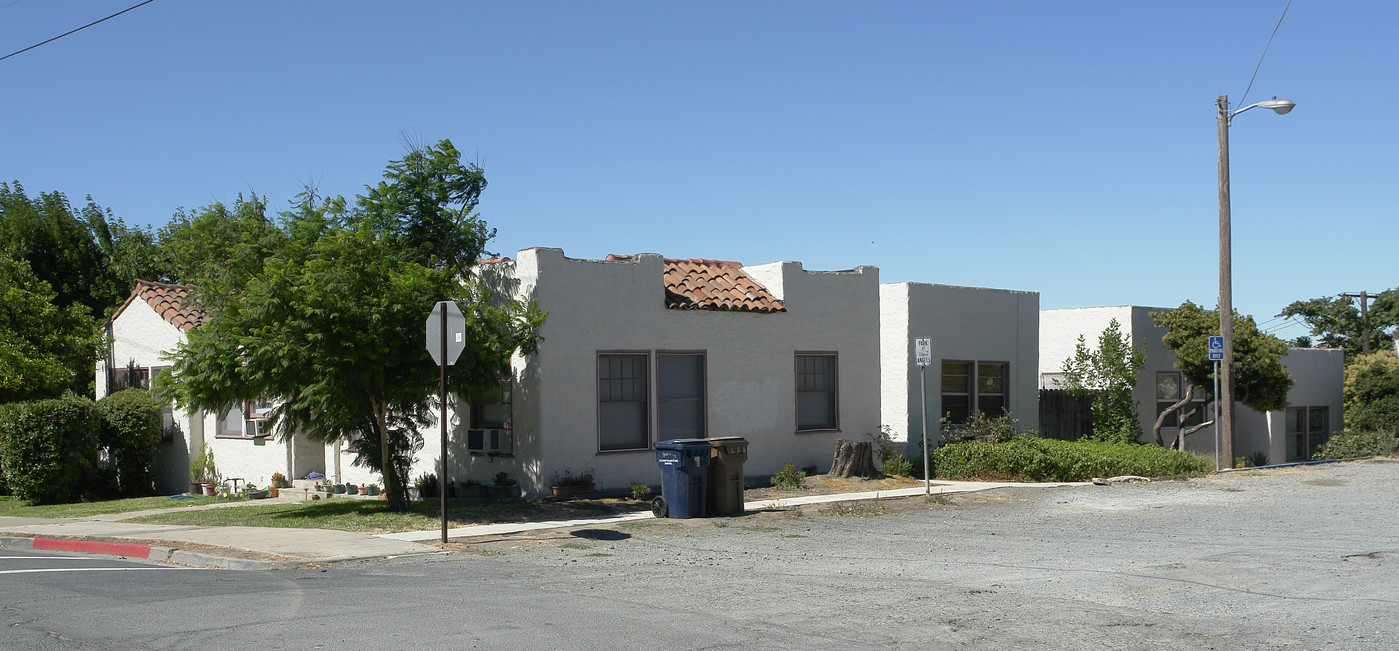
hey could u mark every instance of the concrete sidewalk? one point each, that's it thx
(279, 548)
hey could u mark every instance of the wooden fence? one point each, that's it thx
(1064, 417)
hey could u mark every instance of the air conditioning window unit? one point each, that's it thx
(489, 440)
(257, 429)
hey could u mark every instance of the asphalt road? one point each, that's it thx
(1302, 558)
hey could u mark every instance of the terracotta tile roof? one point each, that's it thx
(171, 302)
(700, 284)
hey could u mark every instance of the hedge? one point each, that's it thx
(1028, 458)
(49, 447)
(131, 428)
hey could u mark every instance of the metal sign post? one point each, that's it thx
(1216, 348)
(446, 316)
(923, 356)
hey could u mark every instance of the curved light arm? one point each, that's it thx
(1279, 106)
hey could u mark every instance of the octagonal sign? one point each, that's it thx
(454, 324)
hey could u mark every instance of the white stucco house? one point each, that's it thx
(638, 349)
(985, 357)
(152, 321)
(1292, 434)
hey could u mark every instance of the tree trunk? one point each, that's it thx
(397, 498)
(853, 459)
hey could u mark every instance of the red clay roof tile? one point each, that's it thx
(171, 302)
(700, 284)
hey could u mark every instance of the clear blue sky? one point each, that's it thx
(1063, 147)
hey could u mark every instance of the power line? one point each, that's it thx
(1265, 53)
(75, 30)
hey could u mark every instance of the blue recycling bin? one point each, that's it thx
(684, 463)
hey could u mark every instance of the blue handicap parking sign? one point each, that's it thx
(1216, 349)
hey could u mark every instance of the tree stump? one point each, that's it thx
(853, 459)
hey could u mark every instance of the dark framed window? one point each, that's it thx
(969, 386)
(817, 385)
(1308, 428)
(1170, 388)
(623, 401)
(493, 409)
(680, 395)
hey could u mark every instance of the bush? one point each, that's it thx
(891, 460)
(788, 478)
(1371, 390)
(49, 447)
(1027, 458)
(131, 428)
(1360, 443)
(640, 492)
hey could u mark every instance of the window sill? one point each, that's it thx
(625, 450)
(835, 430)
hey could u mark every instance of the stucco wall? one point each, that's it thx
(963, 324)
(140, 336)
(616, 306)
(1315, 372)
(1318, 381)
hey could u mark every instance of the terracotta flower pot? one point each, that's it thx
(573, 489)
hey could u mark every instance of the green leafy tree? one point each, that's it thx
(1336, 322)
(1260, 381)
(331, 322)
(1371, 393)
(59, 246)
(1108, 374)
(219, 247)
(426, 204)
(44, 349)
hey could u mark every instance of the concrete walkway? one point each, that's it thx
(275, 548)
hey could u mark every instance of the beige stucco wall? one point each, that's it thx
(597, 305)
(963, 324)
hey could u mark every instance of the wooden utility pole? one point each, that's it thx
(1226, 295)
(1365, 299)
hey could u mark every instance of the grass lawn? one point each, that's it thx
(12, 506)
(373, 516)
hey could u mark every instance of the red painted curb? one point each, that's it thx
(89, 547)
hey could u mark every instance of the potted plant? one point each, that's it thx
(373, 490)
(202, 470)
(279, 481)
(253, 493)
(472, 488)
(363, 489)
(426, 484)
(339, 489)
(504, 486)
(571, 484)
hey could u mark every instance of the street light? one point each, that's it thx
(1226, 298)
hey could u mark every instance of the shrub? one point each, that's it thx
(1371, 389)
(891, 460)
(788, 478)
(640, 492)
(981, 427)
(49, 447)
(131, 428)
(1026, 458)
(1360, 443)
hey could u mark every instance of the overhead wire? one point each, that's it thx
(1265, 53)
(74, 30)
